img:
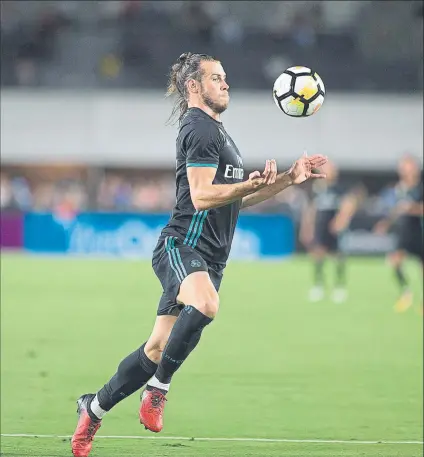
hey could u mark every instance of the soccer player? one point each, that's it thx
(406, 220)
(193, 248)
(323, 222)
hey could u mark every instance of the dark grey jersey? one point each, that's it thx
(327, 200)
(409, 194)
(203, 142)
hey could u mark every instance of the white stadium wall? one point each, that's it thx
(128, 128)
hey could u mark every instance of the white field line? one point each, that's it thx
(186, 438)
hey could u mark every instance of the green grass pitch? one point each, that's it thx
(272, 365)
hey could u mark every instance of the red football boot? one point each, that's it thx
(82, 440)
(151, 409)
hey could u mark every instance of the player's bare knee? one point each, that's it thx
(319, 253)
(395, 259)
(198, 291)
(208, 304)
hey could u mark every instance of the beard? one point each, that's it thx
(216, 106)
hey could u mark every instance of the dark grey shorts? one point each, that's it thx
(411, 241)
(323, 237)
(172, 262)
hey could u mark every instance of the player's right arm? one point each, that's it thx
(203, 144)
(206, 195)
(307, 224)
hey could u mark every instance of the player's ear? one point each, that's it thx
(192, 86)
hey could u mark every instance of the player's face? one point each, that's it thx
(214, 88)
(408, 169)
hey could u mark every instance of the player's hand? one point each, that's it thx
(403, 208)
(266, 178)
(336, 225)
(301, 170)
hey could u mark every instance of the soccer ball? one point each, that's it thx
(299, 92)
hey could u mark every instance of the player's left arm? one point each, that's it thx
(414, 208)
(410, 208)
(282, 181)
(348, 208)
(417, 209)
(299, 172)
(417, 205)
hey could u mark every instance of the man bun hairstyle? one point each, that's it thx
(185, 68)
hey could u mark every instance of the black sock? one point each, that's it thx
(319, 272)
(183, 339)
(341, 271)
(195, 338)
(133, 372)
(403, 283)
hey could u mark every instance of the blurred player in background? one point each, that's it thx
(406, 221)
(193, 248)
(324, 220)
